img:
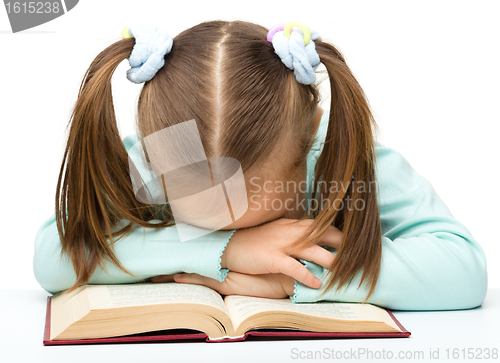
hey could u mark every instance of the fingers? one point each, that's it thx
(332, 237)
(163, 278)
(287, 283)
(293, 268)
(201, 280)
(297, 222)
(318, 255)
(268, 286)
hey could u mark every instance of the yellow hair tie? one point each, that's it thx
(305, 29)
(125, 33)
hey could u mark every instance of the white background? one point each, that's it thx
(429, 69)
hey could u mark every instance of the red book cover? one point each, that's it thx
(188, 335)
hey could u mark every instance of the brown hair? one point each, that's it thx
(227, 77)
(348, 157)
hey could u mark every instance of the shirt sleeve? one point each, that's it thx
(145, 252)
(430, 261)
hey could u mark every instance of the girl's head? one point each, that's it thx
(248, 106)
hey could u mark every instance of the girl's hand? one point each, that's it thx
(264, 250)
(272, 286)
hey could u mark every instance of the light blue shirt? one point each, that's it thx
(430, 261)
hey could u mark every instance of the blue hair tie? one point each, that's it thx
(147, 57)
(296, 52)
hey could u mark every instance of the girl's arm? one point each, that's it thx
(148, 252)
(145, 252)
(430, 261)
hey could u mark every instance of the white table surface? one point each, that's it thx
(23, 320)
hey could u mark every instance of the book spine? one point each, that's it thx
(226, 338)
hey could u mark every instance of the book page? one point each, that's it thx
(242, 307)
(112, 296)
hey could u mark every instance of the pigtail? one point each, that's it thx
(344, 184)
(94, 188)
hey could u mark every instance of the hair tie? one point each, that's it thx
(147, 57)
(296, 49)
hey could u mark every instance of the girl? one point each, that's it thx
(371, 228)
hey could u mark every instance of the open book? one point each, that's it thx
(93, 312)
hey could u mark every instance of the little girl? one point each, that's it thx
(331, 215)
